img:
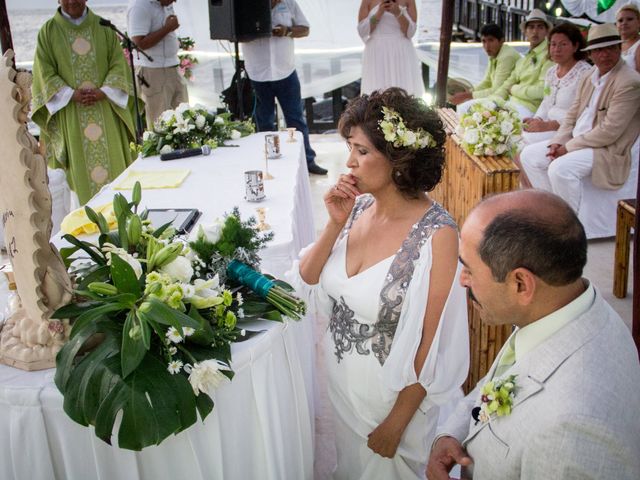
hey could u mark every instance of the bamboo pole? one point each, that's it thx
(446, 27)
(5, 29)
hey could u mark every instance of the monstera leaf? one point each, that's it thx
(95, 391)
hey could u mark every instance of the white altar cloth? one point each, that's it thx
(262, 422)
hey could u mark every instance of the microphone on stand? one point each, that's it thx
(105, 23)
(186, 152)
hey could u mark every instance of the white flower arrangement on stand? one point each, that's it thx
(488, 129)
(191, 127)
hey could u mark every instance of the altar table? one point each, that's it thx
(262, 422)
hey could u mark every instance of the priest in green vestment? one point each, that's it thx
(81, 92)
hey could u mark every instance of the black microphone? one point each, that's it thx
(475, 414)
(105, 23)
(186, 152)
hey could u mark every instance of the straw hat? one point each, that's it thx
(601, 36)
(535, 15)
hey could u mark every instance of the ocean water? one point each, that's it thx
(26, 23)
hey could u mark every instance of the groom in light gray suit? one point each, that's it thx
(575, 412)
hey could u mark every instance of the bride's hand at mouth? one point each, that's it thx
(340, 198)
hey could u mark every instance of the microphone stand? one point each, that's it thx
(130, 46)
(238, 75)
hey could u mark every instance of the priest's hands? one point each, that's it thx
(446, 452)
(339, 200)
(88, 96)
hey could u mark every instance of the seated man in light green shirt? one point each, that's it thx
(524, 88)
(502, 59)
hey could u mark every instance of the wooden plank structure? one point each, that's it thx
(466, 180)
(626, 219)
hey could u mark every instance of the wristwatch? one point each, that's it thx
(289, 32)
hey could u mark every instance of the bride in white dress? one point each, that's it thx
(384, 272)
(389, 58)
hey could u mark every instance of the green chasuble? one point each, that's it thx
(91, 143)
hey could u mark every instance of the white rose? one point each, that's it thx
(477, 117)
(471, 136)
(179, 269)
(506, 127)
(460, 130)
(206, 376)
(235, 134)
(200, 121)
(147, 135)
(501, 148)
(183, 107)
(219, 121)
(167, 115)
(211, 233)
(166, 149)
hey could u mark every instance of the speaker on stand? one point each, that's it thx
(239, 21)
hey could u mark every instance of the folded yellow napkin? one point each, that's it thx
(153, 179)
(77, 222)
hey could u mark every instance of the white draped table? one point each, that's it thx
(262, 422)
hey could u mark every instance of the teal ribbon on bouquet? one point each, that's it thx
(247, 276)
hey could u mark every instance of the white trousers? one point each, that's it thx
(562, 176)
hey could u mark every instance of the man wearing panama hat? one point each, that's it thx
(599, 131)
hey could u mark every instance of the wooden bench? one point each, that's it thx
(626, 220)
(467, 179)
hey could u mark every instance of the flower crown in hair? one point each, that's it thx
(394, 130)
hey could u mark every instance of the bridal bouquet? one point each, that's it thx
(191, 127)
(487, 129)
(152, 321)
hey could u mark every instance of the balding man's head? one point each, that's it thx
(532, 229)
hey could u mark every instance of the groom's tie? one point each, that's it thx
(507, 359)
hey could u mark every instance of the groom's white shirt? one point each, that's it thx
(576, 413)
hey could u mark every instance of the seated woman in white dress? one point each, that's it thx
(560, 86)
(560, 83)
(389, 58)
(384, 272)
(628, 23)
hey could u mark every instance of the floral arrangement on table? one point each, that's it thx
(187, 60)
(497, 398)
(488, 129)
(191, 127)
(153, 317)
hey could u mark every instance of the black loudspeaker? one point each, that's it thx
(239, 20)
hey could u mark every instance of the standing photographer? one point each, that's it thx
(270, 64)
(152, 25)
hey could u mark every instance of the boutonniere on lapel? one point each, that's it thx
(496, 399)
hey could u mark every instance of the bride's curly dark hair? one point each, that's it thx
(413, 171)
